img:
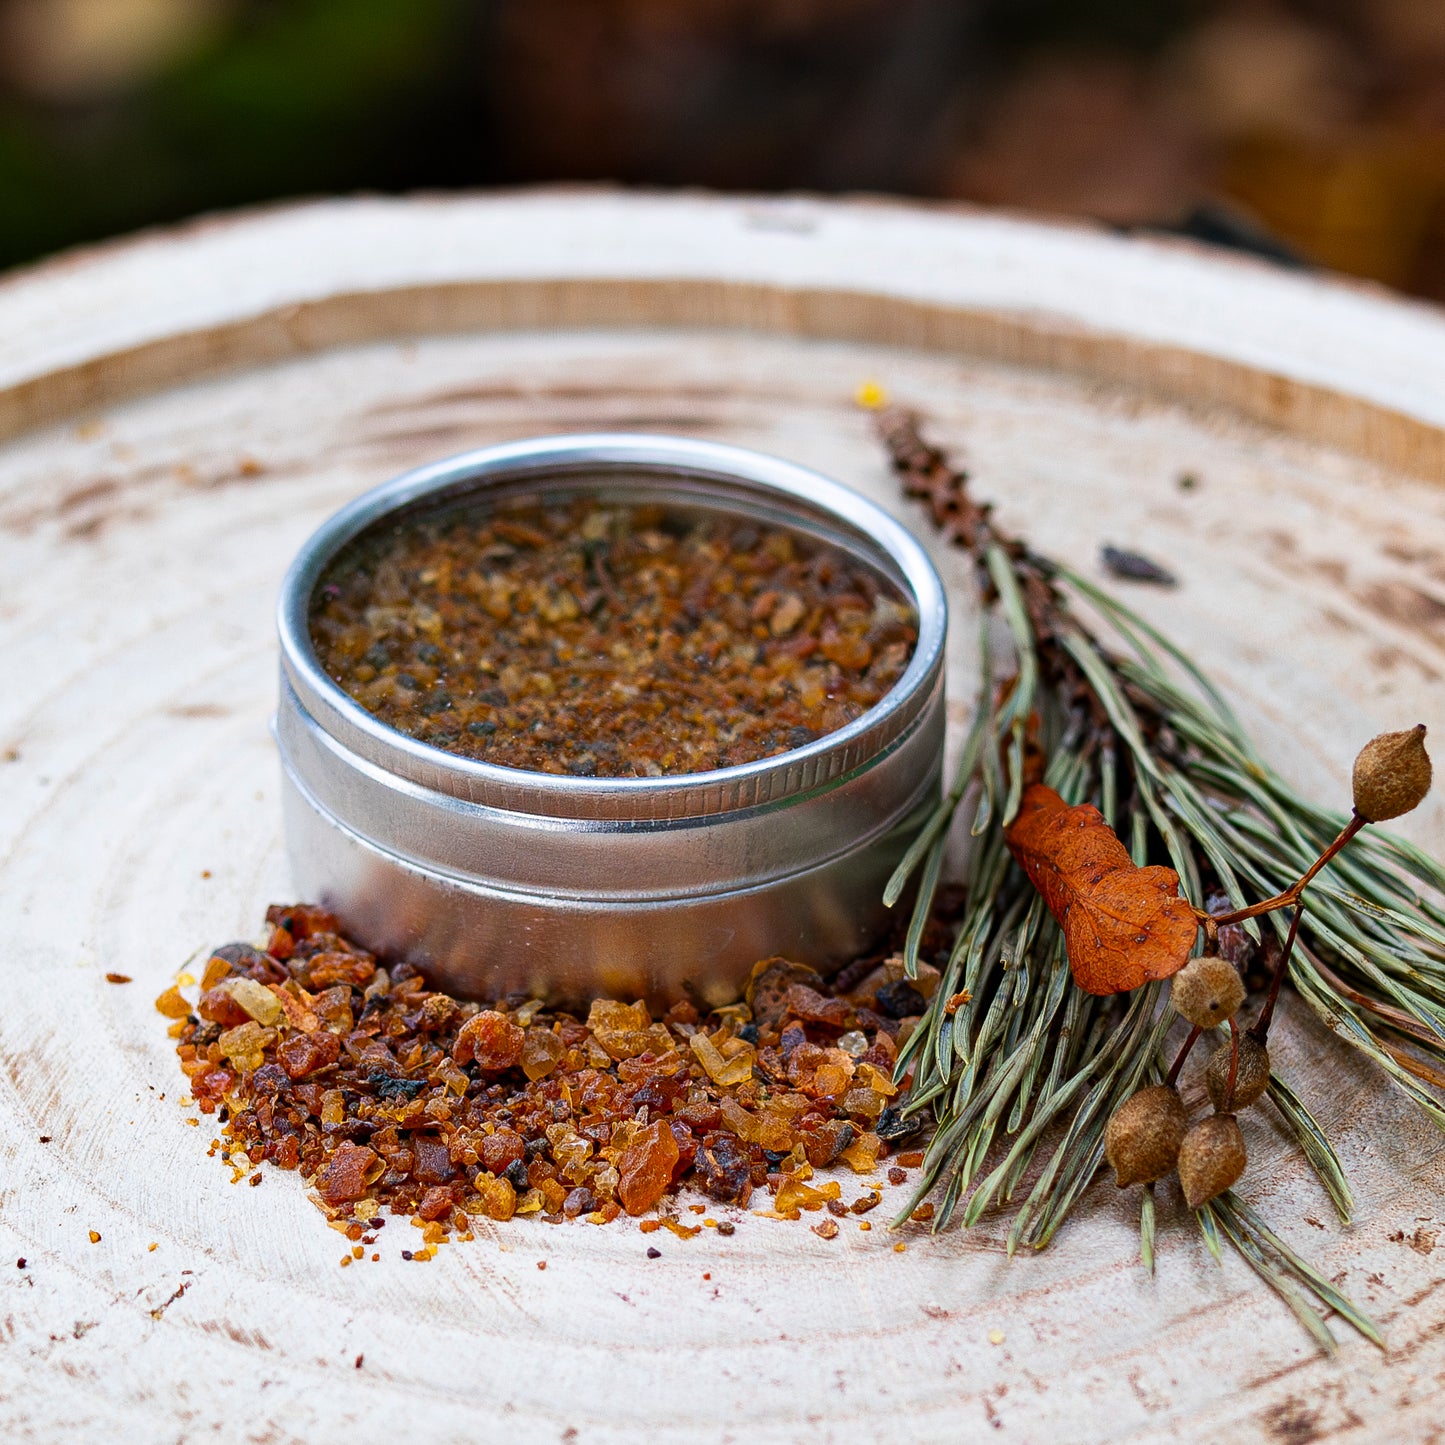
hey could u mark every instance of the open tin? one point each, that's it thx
(495, 880)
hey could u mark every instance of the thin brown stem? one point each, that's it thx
(1395, 1018)
(1260, 1031)
(1183, 1054)
(1412, 1065)
(1345, 834)
(1258, 910)
(1291, 895)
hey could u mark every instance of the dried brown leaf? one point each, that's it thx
(1123, 925)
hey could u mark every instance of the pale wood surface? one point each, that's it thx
(145, 520)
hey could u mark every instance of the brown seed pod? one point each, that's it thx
(1142, 1139)
(1251, 1077)
(1207, 991)
(1211, 1158)
(1392, 774)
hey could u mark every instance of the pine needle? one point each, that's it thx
(1029, 1069)
(1146, 1228)
(1302, 1287)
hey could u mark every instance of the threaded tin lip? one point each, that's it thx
(665, 469)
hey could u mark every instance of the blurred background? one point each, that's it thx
(1313, 130)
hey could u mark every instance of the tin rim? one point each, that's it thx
(721, 476)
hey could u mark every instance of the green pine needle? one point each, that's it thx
(1146, 1228)
(1025, 1070)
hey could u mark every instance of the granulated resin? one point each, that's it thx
(615, 641)
(390, 1097)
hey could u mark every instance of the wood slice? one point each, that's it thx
(181, 410)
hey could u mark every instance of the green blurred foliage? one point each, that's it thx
(1310, 126)
(287, 99)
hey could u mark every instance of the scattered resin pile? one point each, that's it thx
(608, 641)
(389, 1097)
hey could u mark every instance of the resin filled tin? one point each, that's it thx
(496, 880)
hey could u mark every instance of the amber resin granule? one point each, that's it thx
(389, 1097)
(605, 640)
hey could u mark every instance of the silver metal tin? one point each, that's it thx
(497, 880)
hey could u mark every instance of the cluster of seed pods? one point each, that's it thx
(1149, 1136)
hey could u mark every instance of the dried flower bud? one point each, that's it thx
(1251, 1075)
(1143, 1137)
(1392, 774)
(1211, 1158)
(1207, 991)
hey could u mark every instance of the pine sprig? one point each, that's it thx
(1017, 1065)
